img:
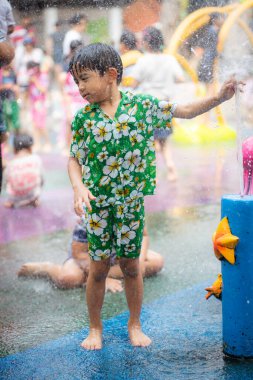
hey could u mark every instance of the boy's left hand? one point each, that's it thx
(229, 88)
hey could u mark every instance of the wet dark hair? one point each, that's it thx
(75, 20)
(75, 44)
(154, 38)
(128, 39)
(32, 64)
(22, 141)
(97, 57)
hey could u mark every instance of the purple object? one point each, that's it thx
(247, 153)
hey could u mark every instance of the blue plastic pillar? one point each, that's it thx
(237, 292)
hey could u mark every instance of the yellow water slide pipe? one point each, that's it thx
(184, 29)
(230, 21)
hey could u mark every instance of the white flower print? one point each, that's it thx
(96, 224)
(118, 191)
(133, 197)
(100, 255)
(104, 180)
(101, 200)
(120, 211)
(121, 127)
(135, 137)
(132, 159)
(140, 126)
(151, 144)
(127, 235)
(89, 124)
(164, 110)
(102, 155)
(127, 177)
(102, 131)
(104, 238)
(78, 151)
(141, 167)
(112, 167)
(130, 248)
(86, 172)
(146, 103)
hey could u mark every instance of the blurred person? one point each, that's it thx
(112, 168)
(7, 54)
(25, 53)
(208, 44)
(23, 30)
(72, 100)
(8, 98)
(55, 48)
(74, 271)
(78, 27)
(7, 21)
(156, 73)
(37, 94)
(23, 174)
(129, 55)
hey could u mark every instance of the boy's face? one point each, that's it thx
(92, 86)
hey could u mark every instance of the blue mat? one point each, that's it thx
(187, 344)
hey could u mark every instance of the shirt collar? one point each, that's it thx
(126, 98)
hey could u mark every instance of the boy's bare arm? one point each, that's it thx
(188, 111)
(81, 193)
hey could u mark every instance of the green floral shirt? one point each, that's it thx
(118, 155)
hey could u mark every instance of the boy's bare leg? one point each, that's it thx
(95, 291)
(68, 275)
(134, 294)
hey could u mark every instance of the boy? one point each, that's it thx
(112, 168)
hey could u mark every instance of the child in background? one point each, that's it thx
(74, 271)
(111, 168)
(8, 98)
(72, 100)
(23, 174)
(37, 93)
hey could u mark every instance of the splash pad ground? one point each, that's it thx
(42, 326)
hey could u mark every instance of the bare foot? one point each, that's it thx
(30, 269)
(137, 337)
(8, 204)
(93, 340)
(113, 285)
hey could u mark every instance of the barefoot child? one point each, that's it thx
(112, 168)
(74, 271)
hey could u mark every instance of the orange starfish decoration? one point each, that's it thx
(216, 289)
(224, 242)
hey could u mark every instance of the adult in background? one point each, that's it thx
(156, 73)
(78, 27)
(55, 48)
(7, 21)
(209, 46)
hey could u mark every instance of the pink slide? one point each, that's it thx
(247, 153)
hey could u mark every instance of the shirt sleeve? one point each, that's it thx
(9, 16)
(161, 113)
(78, 148)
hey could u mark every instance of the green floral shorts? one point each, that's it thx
(115, 230)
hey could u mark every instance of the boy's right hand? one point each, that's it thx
(82, 195)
